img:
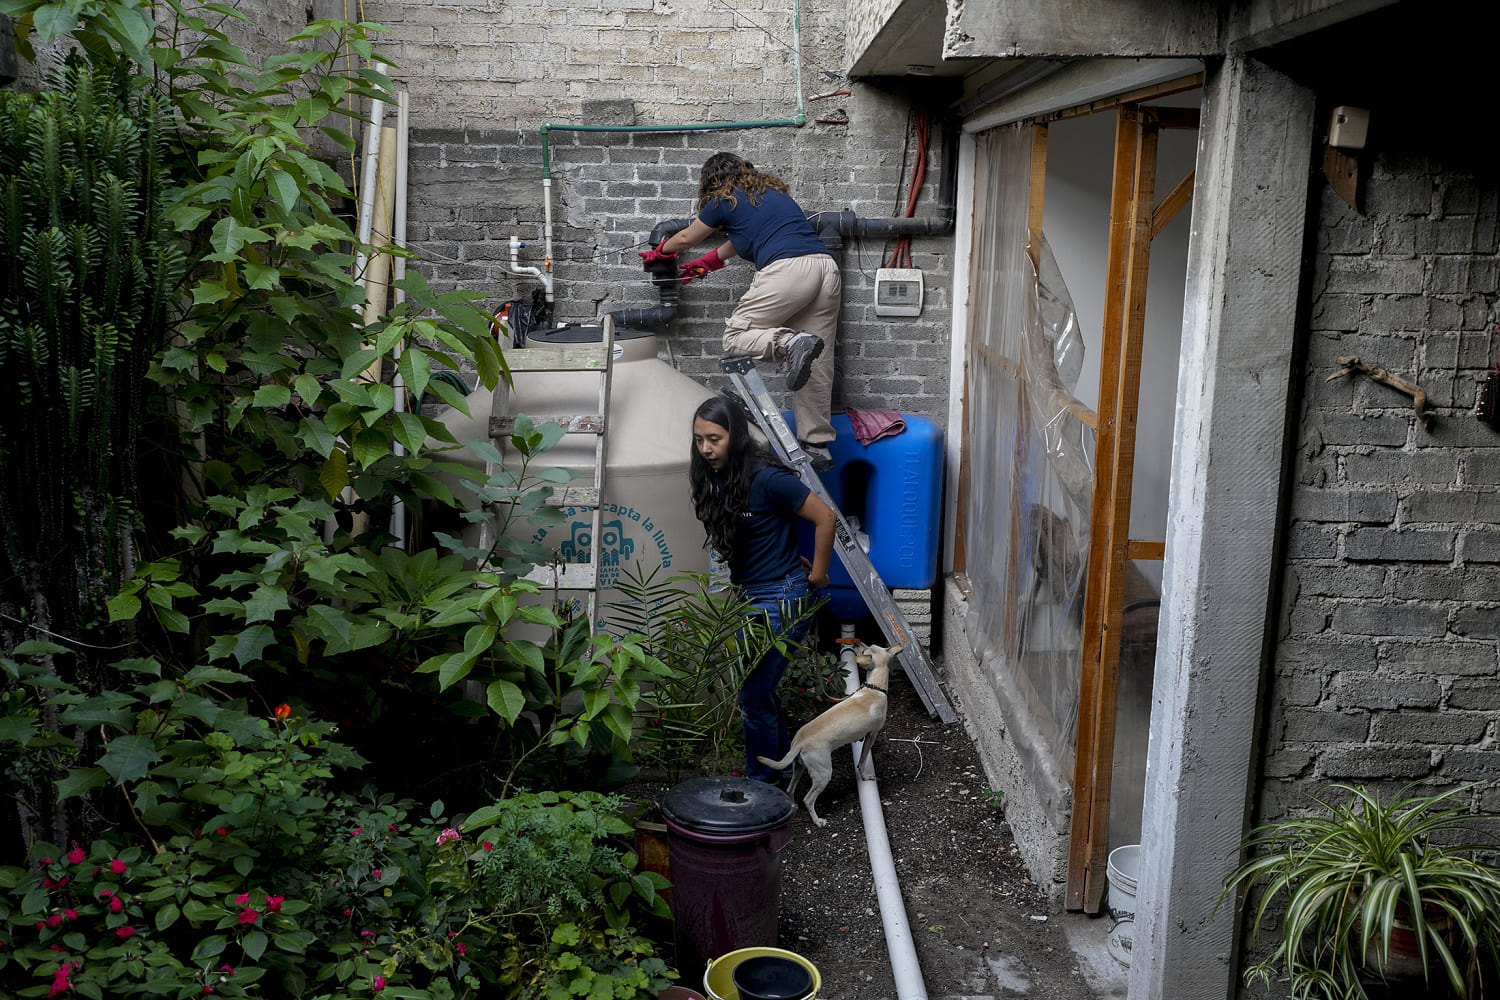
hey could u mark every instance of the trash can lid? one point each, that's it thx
(727, 805)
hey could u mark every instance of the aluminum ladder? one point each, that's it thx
(559, 575)
(913, 657)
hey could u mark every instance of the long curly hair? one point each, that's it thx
(723, 172)
(720, 497)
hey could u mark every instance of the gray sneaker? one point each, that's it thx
(798, 354)
(822, 460)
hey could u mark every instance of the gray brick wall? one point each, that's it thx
(1385, 669)
(484, 76)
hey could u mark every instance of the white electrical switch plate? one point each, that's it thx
(1348, 127)
(898, 291)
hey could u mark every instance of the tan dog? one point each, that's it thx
(858, 717)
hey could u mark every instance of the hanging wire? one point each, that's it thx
(828, 73)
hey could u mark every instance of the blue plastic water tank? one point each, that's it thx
(894, 489)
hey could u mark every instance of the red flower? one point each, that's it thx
(461, 948)
(76, 855)
(115, 906)
(60, 984)
(242, 898)
(283, 711)
(54, 920)
(379, 983)
(206, 991)
(71, 914)
(44, 861)
(488, 846)
(249, 916)
(222, 832)
(117, 866)
(125, 932)
(375, 874)
(273, 903)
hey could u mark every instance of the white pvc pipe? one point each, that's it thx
(403, 122)
(899, 943)
(367, 184)
(547, 237)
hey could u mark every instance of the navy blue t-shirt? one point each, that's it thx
(767, 540)
(773, 230)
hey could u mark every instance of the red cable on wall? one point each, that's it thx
(901, 254)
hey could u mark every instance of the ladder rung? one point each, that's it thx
(569, 576)
(546, 359)
(586, 497)
(578, 423)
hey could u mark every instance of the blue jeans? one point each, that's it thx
(782, 601)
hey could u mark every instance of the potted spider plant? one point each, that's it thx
(1376, 895)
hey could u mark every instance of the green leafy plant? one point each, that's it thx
(688, 719)
(242, 864)
(1358, 878)
(813, 681)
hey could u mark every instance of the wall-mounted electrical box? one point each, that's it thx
(898, 291)
(1348, 127)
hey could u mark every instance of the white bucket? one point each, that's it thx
(1123, 869)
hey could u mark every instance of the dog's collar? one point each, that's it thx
(872, 687)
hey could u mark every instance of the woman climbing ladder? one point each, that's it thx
(790, 311)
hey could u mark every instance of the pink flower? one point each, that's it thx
(71, 914)
(47, 861)
(348, 913)
(76, 855)
(375, 873)
(242, 898)
(125, 932)
(379, 983)
(54, 920)
(461, 948)
(448, 834)
(228, 970)
(249, 916)
(115, 906)
(488, 846)
(273, 903)
(117, 866)
(357, 831)
(366, 933)
(60, 984)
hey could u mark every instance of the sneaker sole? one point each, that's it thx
(798, 378)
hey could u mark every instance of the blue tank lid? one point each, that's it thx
(727, 806)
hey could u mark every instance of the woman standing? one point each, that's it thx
(749, 505)
(791, 310)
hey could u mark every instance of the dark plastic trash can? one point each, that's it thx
(724, 841)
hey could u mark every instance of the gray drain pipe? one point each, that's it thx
(899, 943)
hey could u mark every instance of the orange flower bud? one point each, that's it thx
(283, 711)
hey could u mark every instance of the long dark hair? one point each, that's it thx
(723, 172)
(719, 497)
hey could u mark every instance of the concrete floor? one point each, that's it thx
(1089, 937)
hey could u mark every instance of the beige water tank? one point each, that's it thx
(647, 513)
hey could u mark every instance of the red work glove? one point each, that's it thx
(701, 267)
(657, 253)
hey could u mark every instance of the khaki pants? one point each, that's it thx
(798, 294)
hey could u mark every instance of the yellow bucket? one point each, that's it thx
(718, 978)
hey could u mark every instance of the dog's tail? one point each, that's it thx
(783, 763)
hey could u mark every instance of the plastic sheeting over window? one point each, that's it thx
(1031, 460)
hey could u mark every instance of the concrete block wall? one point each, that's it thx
(1386, 665)
(484, 76)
